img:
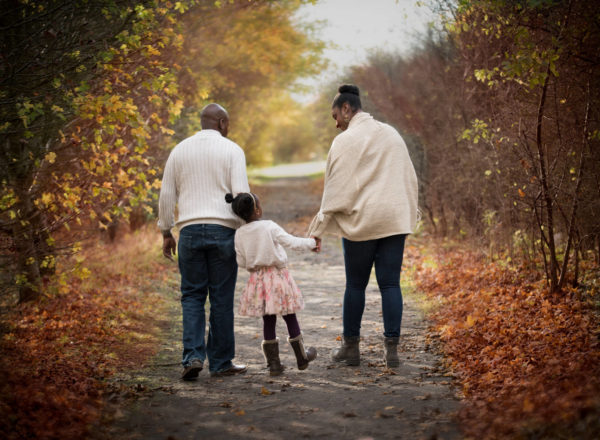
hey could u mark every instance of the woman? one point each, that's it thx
(370, 199)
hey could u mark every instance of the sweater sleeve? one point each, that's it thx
(290, 241)
(239, 179)
(339, 189)
(168, 196)
(239, 254)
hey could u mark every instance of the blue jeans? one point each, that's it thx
(359, 256)
(208, 267)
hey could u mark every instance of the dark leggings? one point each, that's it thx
(269, 322)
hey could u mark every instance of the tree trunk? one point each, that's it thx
(572, 219)
(28, 271)
(552, 270)
(24, 236)
(431, 218)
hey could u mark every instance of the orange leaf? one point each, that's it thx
(265, 392)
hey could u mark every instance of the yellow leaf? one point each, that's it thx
(51, 157)
(265, 392)
(46, 198)
(470, 321)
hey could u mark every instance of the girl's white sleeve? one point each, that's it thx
(290, 241)
(239, 254)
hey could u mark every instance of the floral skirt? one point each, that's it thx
(270, 291)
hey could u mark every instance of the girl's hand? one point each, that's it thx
(318, 241)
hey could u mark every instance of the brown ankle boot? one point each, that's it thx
(390, 346)
(348, 353)
(303, 357)
(271, 351)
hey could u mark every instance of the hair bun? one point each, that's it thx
(229, 197)
(349, 88)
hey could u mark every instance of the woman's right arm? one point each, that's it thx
(339, 188)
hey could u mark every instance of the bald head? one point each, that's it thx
(215, 117)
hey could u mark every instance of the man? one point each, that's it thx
(199, 172)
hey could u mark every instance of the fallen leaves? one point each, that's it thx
(265, 392)
(523, 356)
(57, 354)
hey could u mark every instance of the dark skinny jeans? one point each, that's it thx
(359, 256)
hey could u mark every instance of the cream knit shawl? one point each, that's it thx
(370, 184)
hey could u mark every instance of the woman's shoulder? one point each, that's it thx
(341, 143)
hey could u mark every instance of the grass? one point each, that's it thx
(312, 170)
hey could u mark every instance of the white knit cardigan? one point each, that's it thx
(261, 244)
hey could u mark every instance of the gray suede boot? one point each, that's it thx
(303, 357)
(348, 353)
(390, 346)
(271, 351)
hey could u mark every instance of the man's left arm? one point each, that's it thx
(239, 178)
(166, 209)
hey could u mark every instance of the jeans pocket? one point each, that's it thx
(226, 248)
(185, 247)
(220, 233)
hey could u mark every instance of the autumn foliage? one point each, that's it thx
(525, 358)
(96, 93)
(499, 108)
(57, 354)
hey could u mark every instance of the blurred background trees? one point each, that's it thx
(94, 94)
(76, 81)
(504, 104)
(498, 106)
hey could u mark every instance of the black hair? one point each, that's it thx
(348, 93)
(243, 204)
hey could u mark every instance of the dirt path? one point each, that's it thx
(325, 401)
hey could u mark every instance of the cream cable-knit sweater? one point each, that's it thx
(370, 184)
(199, 172)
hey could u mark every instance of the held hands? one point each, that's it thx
(169, 247)
(318, 248)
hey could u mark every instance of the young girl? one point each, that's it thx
(270, 290)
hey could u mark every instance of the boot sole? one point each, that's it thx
(348, 362)
(192, 374)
